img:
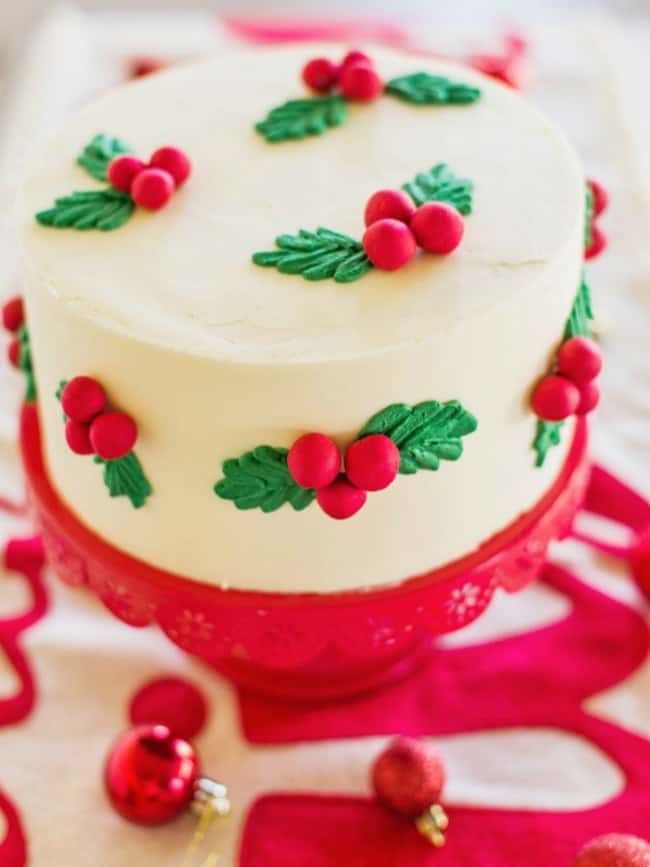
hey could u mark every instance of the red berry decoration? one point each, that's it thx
(355, 57)
(77, 436)
(122, 171)
(581, 359)
(82, 399)
(13, 314)
(152, 189)
(151, 775)
(438, 227)
(388, 205)
(589, 398)
(113, 435)
(174, 161)
(555, 398)
(389, 244)
(14, 352)
(372, 462)
(359, 81)
(341, 499)
(320, 74)
(600, 196)
(314, 461)
(173, 702)
(598, 242)
(614, 850)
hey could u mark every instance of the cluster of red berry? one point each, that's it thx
(355, 76)
(396, 228)
(13, 318)
(600, 199)
(572, 389)
(371, 464)
(150, 185)
(90, 428)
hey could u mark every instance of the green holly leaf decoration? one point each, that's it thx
(105, 210)
(260, 479)
(422, 88)
(318, 255)
(98, 153)
(299, 118)
(25, 364)
(425, 434)
(547, 435)
(440, 184)
(579, 322)
(589, 216)
(124, 477)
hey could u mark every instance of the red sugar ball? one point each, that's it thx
(555, 398)
(122, 171)
(314, 461)
(581, 359)
(152, 189)
(388, 205)
(174, 161)
(438, 227)
(341, 499)
(13, 314)
(77, 436)
(600, 196)
(113, 435)
(359, 81)
(83, 398)
(372, 462)
(589, 397)
(408, 777)
(14, 351)
(614, 850)
(320, 74)
(389, 244)
(598, 242)
(355, 57)
(172, 701)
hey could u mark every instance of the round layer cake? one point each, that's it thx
(214, 355)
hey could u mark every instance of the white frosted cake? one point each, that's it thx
(213, 355)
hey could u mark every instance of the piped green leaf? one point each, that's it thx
(125, 477)
(25, 364)
(105, 210)
(547, 435)
(98, 153)
(260, 479)
(299, 118)
(440, 184)
(320, 255)
(422, 88)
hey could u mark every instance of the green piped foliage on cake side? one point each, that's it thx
(422, 88)
(260, 479)
(105, 210)
(99, 152)
(320, 255)
(440, 184)
(25, 364)
(589, 216)
(299, 118)
(125, 477)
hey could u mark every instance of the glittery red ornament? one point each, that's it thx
(438, 227)
(355, 56)
(320, 74)
(600, 196)
(341, 499)
(77, 436)
(614, 850)
(83, 398)
(408, 777)
(173, 702)
(314, 461)
(389, 244)
(388, 205)
(598, 242)
(13, 314)
(174, 161)
(372, 462)
(580, 359)
(360, 81)
(122, 171)
(151, 775)
(555, 398)
(589, 398)
(152, 189)
(113, 435)
(14, 351)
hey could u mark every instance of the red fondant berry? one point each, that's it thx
(78, 437)
(589, 397)
(438, 227)
(174, 161)
(122, 171)
(598, 242)
(13, 314)
(320, 74)
(359, 81)
(341, 499)
(113, 435)
(314, 461)
(389, 244)
(408, 777)
(355, 57)
(14, 351)
(372, 462)
(614, 850)
(581, 359)
(555, 398)
(600, 197)
(152, 189)
(388, 205)
(82, 399)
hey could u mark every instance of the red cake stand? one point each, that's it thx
(303, 646)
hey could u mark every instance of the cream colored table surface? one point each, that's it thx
(590, 76)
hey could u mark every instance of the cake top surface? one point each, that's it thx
(183, 278)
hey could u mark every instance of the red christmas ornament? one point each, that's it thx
(82, 399)
(589, 398)
(341, 500)
(372, 462)
(555, 398)
(314, 461)
(580, 359)
(152, 189)
(598, 242)
(408, 779)
(14, 351)
(614, 850)
(600, 196)
(389, 244)
(320, 74)
(122, 171)
(359, 81)
(355, 57)
(174, 161)
(388, 205)
(438, 227)
(77, 436)
(113, 435)
(173, 702)
(13, 314)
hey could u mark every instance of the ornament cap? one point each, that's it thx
(212, 795)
